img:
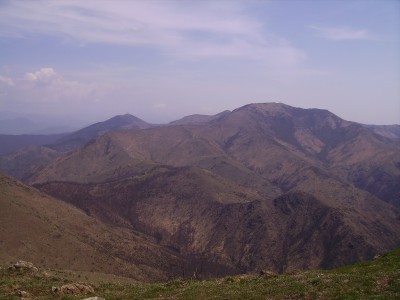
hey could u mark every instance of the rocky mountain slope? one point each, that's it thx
(196, 214)
(264, 186)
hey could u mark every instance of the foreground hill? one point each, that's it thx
(53, 234)
(375, 279)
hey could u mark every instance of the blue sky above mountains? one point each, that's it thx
(161, 60)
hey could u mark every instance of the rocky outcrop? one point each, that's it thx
(23, 294)
(73, 289)
(22, 265)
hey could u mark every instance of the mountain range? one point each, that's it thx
(265, 186)
(12, 123)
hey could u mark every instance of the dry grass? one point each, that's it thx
(376, 279)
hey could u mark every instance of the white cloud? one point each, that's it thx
(189, 30)
(6, 80)
(342, 33)
(44, 86)
(44, 75)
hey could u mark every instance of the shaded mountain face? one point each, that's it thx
(193, 213)
(264, 186)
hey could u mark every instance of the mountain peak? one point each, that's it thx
(309, 116)
(82, 136)
(125, 116)
(268, 108)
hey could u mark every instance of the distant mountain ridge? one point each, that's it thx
(84, 135)
(18, 124)
(389, 131)
(199, 119)
(10, 143)
(72, 140)
(19, 158)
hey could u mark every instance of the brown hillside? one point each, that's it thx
(53, 234)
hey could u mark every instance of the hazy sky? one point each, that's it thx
(161, 60)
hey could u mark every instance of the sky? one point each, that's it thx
(162, 60)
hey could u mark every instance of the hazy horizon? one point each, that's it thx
(163, 60)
